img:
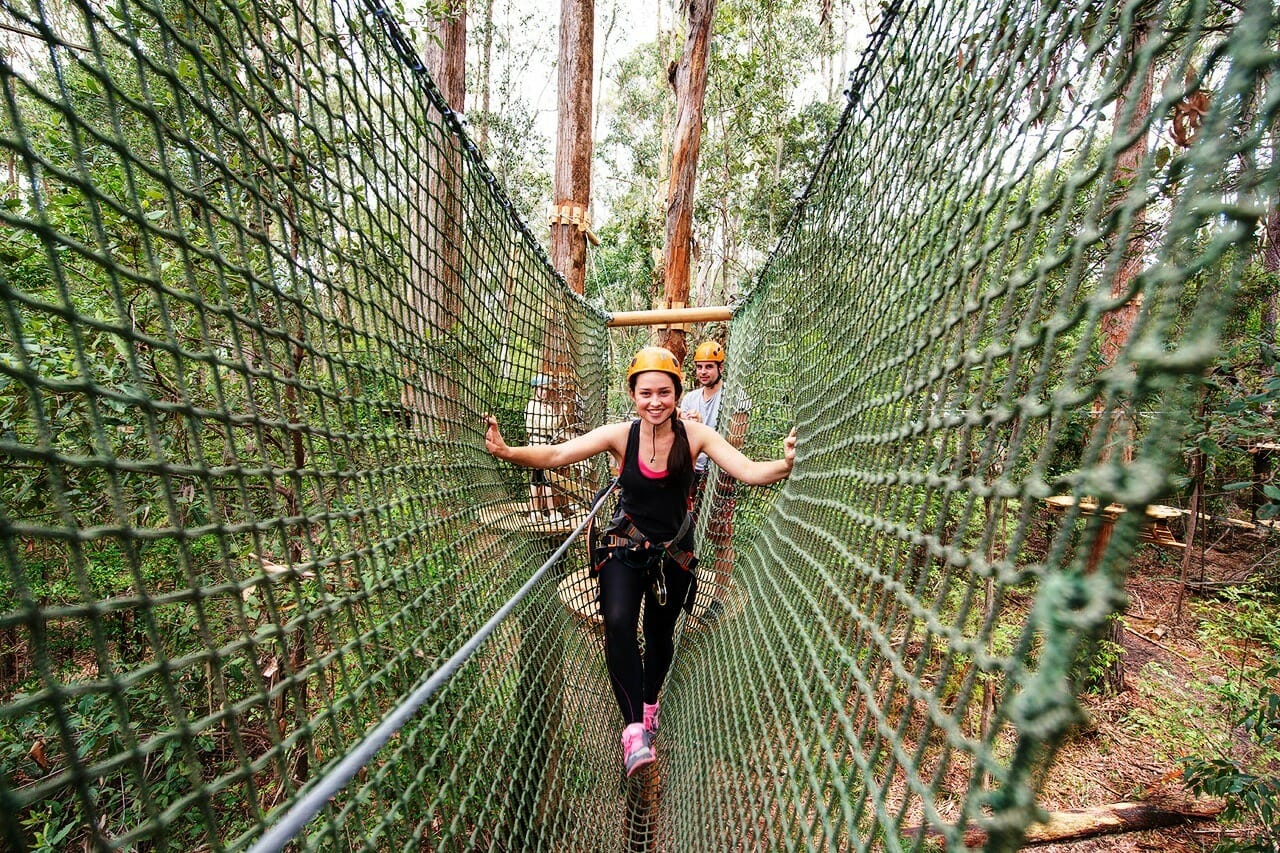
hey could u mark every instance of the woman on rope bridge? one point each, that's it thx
(647, 550)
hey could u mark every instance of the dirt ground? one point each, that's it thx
(1115, 759)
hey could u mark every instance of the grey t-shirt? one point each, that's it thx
(708, 410)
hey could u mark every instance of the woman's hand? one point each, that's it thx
(493, 441)
(703, 439)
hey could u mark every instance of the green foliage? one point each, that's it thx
(521, 46)
(170, 774)
(1252, 795)
(1244, 770)
(766, 123)
(1176, 727)
(1095, 663)
(249, 510)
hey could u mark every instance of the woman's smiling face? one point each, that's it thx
(654, 395)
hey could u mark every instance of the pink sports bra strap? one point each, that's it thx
(649, 472)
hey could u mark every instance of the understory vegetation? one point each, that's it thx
(256, 294)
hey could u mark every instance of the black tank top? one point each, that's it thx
(656, 505)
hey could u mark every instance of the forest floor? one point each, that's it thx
(1180, 662)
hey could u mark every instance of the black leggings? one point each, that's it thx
(637, 680)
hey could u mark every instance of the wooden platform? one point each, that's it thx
(1226, 521)
(514, 516)
(578, 592)
(1155, 531)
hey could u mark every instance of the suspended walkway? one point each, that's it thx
(258, 288)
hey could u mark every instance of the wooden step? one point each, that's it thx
(578, 593)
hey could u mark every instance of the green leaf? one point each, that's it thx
(1235, 487)
(1208, 446)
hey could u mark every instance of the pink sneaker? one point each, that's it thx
(636, 750)
(651, 718)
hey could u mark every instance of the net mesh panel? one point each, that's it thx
(258, 290)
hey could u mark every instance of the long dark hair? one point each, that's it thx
(679, 460)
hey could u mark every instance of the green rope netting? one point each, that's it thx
(258, 289)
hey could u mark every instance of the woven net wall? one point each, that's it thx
(258, 289)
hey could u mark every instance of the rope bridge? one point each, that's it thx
(258, 288)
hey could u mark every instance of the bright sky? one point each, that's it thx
(532, 30)
(635, 22)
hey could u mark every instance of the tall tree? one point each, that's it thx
(689, 79)
(1263, 457)
(571, 188)
(764, 127)
(1131, 109)
(429, 393)
(571, 193)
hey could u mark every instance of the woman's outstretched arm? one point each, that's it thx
(610, 437)
(735, 463)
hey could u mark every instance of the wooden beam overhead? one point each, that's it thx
(659, 316)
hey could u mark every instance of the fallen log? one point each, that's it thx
(1078, 824)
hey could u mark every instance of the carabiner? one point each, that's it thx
(660, 587)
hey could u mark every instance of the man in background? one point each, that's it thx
(703, 404)
(544, 424)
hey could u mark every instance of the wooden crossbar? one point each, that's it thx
(659, 316)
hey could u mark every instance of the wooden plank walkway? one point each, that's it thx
(514, 516)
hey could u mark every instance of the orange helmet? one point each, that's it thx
(655, 358)
(709, 351)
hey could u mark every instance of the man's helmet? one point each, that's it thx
(655, 358)
(709, 351)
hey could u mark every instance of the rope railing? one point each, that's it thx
(263, 585)
(332, 782)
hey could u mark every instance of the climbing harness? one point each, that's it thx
(621, 539)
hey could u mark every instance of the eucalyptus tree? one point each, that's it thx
(767, 117)
(514, 47)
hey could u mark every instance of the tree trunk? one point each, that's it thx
(689, 78)
(571, 190)
(430, 391)
(447, 53)
(1263, 457)
(1111, 819)
(1130, 110)
(1193, 523)
(573, 139)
